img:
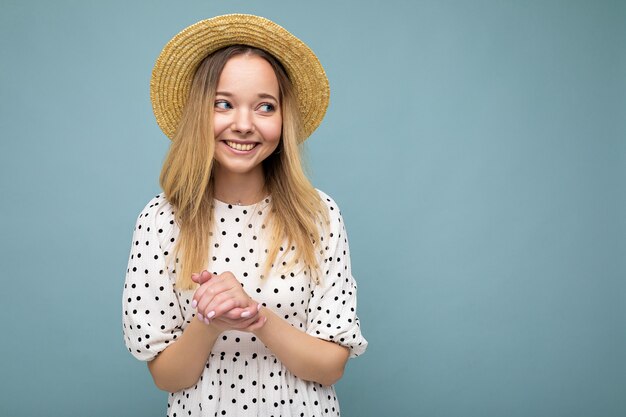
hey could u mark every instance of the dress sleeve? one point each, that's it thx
(332, 307)
(152, 317)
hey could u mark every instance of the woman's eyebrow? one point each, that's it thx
(263, 95)
(260, 95)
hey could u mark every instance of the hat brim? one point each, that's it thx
(176, 65)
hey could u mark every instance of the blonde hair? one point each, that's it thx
(186, 176)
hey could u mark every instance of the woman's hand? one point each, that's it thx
(222, 302)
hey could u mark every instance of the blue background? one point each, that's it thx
(477, 149)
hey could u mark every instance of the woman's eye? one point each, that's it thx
(266, 107)
(223, 105)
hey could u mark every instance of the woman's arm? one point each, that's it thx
(306, 356)
(181, 364)
(153, 320)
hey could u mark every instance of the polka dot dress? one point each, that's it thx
(241, 377)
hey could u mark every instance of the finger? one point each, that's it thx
(198, 294)
(233, 314)
(221, 304)
(251, 310)
(197, 277)
(243, 307)
(207, 293)
(202, 277)
(205, 276)
(236, 314)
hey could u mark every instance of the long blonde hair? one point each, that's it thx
(186, 176)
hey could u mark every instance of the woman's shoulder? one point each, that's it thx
(328, 201)
(155, 205)
(158, 211)
(335, 218)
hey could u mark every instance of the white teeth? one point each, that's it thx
(241, 146)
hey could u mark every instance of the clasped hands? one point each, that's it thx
(221, 301)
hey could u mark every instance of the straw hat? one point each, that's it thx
(177, 64)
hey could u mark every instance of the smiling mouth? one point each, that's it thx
(240, 146)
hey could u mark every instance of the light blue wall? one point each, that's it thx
(477, 149)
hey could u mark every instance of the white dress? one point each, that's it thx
(241, 377)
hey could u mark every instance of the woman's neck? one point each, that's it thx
(241, 189)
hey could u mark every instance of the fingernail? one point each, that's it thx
(194, 304)
(207, 321)
(210, 315)
(245, 314)
(199, 316)
(258, 307)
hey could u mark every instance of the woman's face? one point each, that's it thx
(247, 118)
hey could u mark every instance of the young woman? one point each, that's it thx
(239, 292)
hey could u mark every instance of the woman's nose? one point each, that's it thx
(243, 122)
